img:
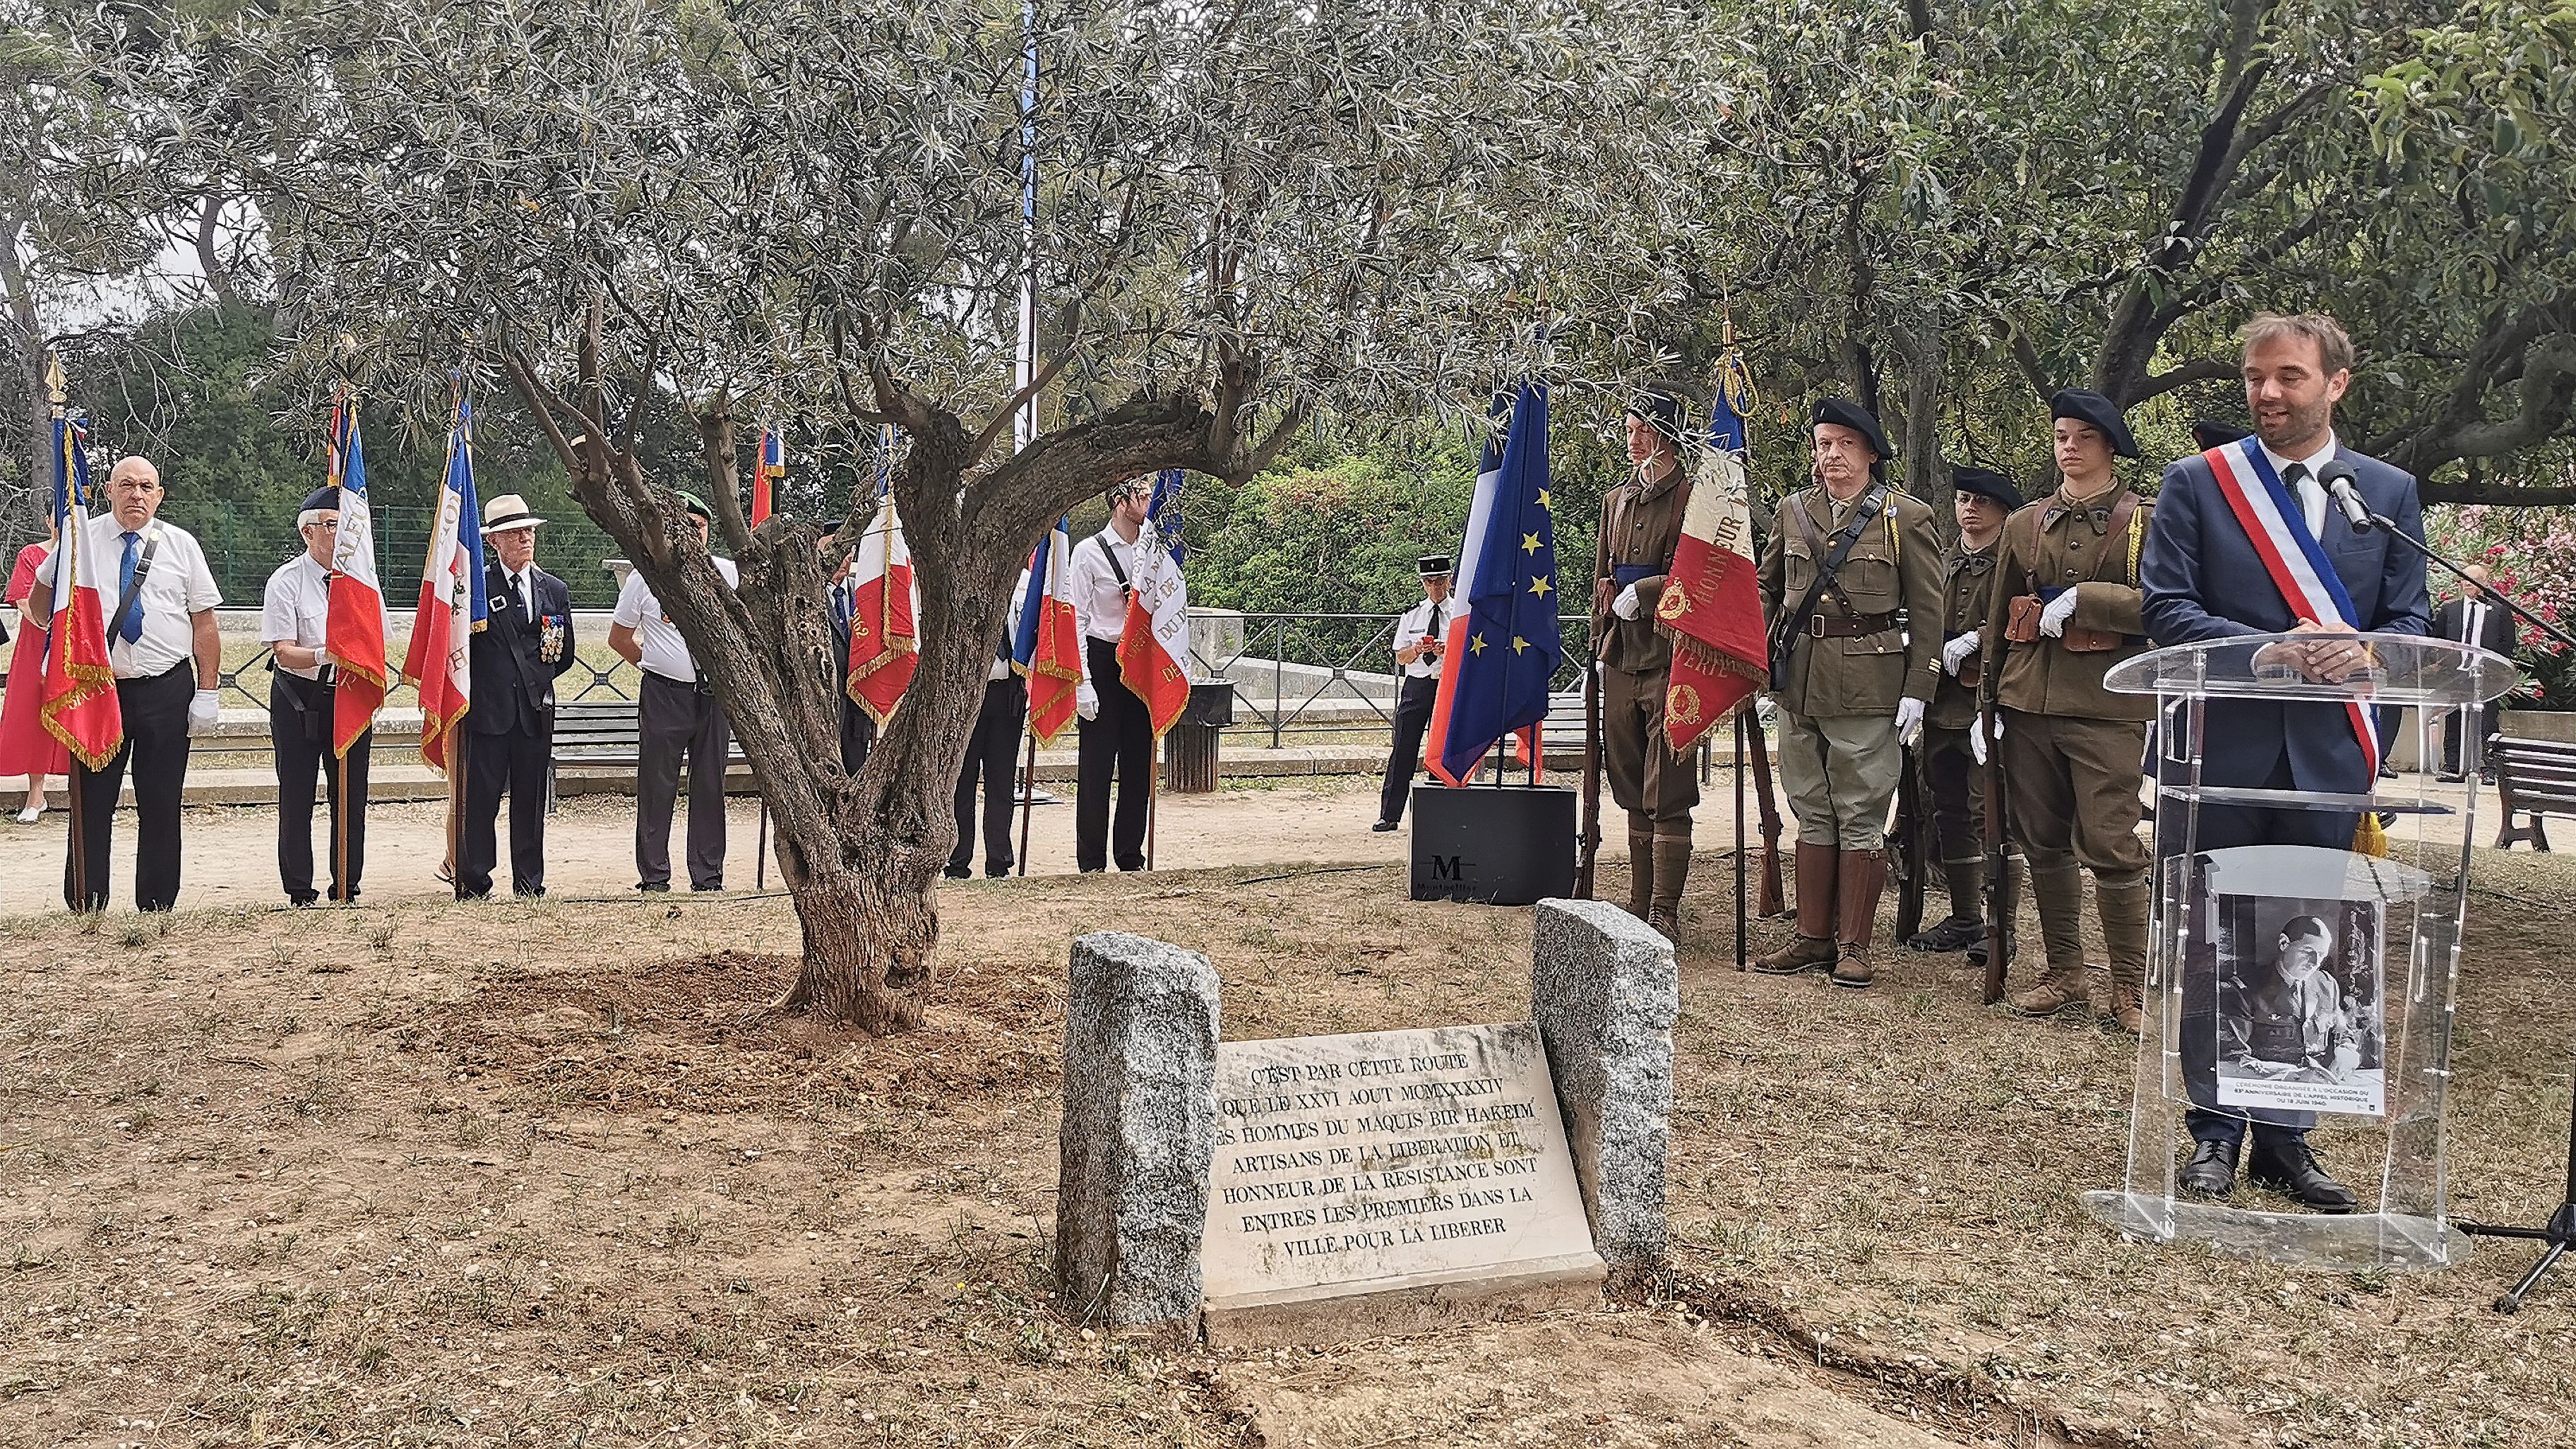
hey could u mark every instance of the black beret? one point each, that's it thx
(2215, 435)
(1855, 417)
(1433, 565)
(1986, 483)
(326, 496)
(2095, 411)
(695, 506)
(1663, 410)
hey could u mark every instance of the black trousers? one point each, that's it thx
(2482, 719)
(514, 763)
(1119, 744)
(991, 755)
(675, 719)
(2221, 827)
(156, 745)
(858, 735)
(1413, 700)
(302, 738)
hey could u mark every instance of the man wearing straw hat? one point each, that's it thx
(515, 659)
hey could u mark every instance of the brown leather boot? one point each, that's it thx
(1864, 874)
(1813, 945)
(2059, 889)
(1641, 870)
(2121, 900)
(1672, 868)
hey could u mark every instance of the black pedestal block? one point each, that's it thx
(1502, 845)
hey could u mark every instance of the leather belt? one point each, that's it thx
(1849, 626)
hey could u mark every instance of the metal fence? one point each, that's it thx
(597, 675)
(241, 557)
(1323, 674)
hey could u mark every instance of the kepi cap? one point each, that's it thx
(1986, 483)
(1432, 565)
(507, 512)
(2098, 413)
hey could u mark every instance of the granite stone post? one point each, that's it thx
(1605, 993)
(1139, 1131)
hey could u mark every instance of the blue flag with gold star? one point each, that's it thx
(1504, 646)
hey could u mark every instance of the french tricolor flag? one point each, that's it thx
(354, 626)
(1046, 647)
(453, 606)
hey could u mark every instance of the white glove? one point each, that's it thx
(1956, 652)
(203, 711)
(1977, 739)
(1086, 701)
(2052, 620)
(1909, 720)
(1627, 605)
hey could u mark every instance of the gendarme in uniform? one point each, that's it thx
(2066, 604)
(1854, 683)
(1641, 526)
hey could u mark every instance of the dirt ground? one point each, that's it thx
(536, 1173)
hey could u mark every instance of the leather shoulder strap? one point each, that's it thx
(2120, 541)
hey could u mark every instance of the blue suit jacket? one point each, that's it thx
(2203, 580)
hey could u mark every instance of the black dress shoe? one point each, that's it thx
(956, 872)
(1383, 826)
(2292, 1171)
(654, 887)
(2212, 1172)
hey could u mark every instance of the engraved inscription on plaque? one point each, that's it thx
(1387, 1160)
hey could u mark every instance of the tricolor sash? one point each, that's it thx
(2278, 529)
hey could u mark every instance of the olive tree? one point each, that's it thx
(1248, 213)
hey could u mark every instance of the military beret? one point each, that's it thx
(1663, 410)
(2214, 435)
(1433, 565)
(1986, 483)
(1851, 415)
(696, 506)
(2097, 412)
(323, 499)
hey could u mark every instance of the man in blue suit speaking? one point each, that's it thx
(2247, 540)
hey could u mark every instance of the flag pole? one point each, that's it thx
(1739, 838)
(1028, 791)
(58, 395)
(455, 808)
(1153, 777)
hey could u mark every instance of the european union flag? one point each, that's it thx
(1504, 645)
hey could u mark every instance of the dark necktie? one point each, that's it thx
(518, 600)
(2296, 475)
(131, 631)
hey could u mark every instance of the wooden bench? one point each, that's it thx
(604, 732)
(2535, 778)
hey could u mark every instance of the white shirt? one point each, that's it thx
(1099, 599)
(1010, 631)
(665, 652)
(527, 578)
(1419, 622)
(2311, 494)
(178, 586)
(296, 609)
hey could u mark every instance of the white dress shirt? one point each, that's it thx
(1001, 669)
(2310, 493)
(177, 587)
(296, 609)
(527, 581)
(1422, 621)
(1099, 599)
(665, 652)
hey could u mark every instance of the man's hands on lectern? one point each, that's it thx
(2330, 660)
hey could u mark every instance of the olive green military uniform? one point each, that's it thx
(2073, 751)
(1839, 755)
(1641, 525)
(1950, 769)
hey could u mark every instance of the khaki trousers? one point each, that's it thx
(1645, 778)
(2073, 785)
(1840, 772)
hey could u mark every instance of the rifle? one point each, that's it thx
(1773, 904)
(1591, 844)
(1905, 859)
(2000, 906)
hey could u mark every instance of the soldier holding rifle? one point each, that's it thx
(1844, 557)
(2066, 604)
(1984, 499)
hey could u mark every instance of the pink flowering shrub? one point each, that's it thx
(2532, 553)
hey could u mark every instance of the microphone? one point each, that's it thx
(2336, 476)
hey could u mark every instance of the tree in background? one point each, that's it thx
(1251, 216)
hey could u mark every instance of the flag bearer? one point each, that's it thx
(294, 619)
(516, 656)
(1117, 734)
(1641, 526)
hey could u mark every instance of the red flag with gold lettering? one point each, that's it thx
(1712, 603)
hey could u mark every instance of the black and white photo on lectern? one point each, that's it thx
(2299, 991)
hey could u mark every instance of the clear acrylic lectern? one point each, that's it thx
(2295, 978)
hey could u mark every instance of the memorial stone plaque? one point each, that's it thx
(1427, 1169)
